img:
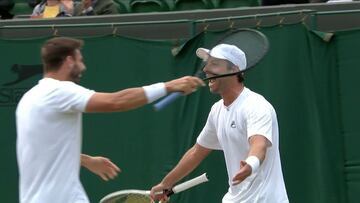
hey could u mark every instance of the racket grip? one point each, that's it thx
(167, 100)
(190, 183)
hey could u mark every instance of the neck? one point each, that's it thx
(56, 76)
(232, 93)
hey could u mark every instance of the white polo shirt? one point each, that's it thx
(49, 134)
(228, 129)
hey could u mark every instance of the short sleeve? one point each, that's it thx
(70, 97)
(208, 137)
(259, 120)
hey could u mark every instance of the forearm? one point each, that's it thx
(84, 160)
(257, 151)
(123, 100)
(191, 159)
(129, 99)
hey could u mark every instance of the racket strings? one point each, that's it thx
(131, 198)
(138, 198)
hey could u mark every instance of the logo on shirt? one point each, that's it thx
(233, 125)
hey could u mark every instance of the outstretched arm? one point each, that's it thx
(132, 98)
(191, 159)
(257, 153)
(101, 166)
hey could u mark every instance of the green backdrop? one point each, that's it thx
(310, 81)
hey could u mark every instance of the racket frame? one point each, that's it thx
(176, 189)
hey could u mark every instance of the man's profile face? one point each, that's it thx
(78, 67)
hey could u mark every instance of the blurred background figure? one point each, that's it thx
(96, 7)
(53, 9)
(5, 7)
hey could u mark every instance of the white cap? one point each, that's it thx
(224, 51)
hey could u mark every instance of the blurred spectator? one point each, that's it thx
(53, 8)
(69, 6)
(5, 7)
(96, 7)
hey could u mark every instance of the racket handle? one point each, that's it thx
(167, 100)
(190, 183)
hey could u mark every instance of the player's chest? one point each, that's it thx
(231, 125)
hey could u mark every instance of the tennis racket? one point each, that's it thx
(143, 196)
(253, 43)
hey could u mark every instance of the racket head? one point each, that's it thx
(127, 196)
(252, 42)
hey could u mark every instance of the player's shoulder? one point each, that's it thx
(256, 100)
(32, 92)
(217, 105)
(28, 98)
(50, 88)
(254, 96)
(54, 85)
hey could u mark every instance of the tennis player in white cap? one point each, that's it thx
(244, 126)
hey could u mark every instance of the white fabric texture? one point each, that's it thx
(229, 128)
(49, 137)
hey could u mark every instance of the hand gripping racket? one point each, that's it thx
(254, 44)
(143, 196)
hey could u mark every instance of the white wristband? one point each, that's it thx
(155, 91)
(254, 162)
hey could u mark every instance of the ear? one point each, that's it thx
(69, 60)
